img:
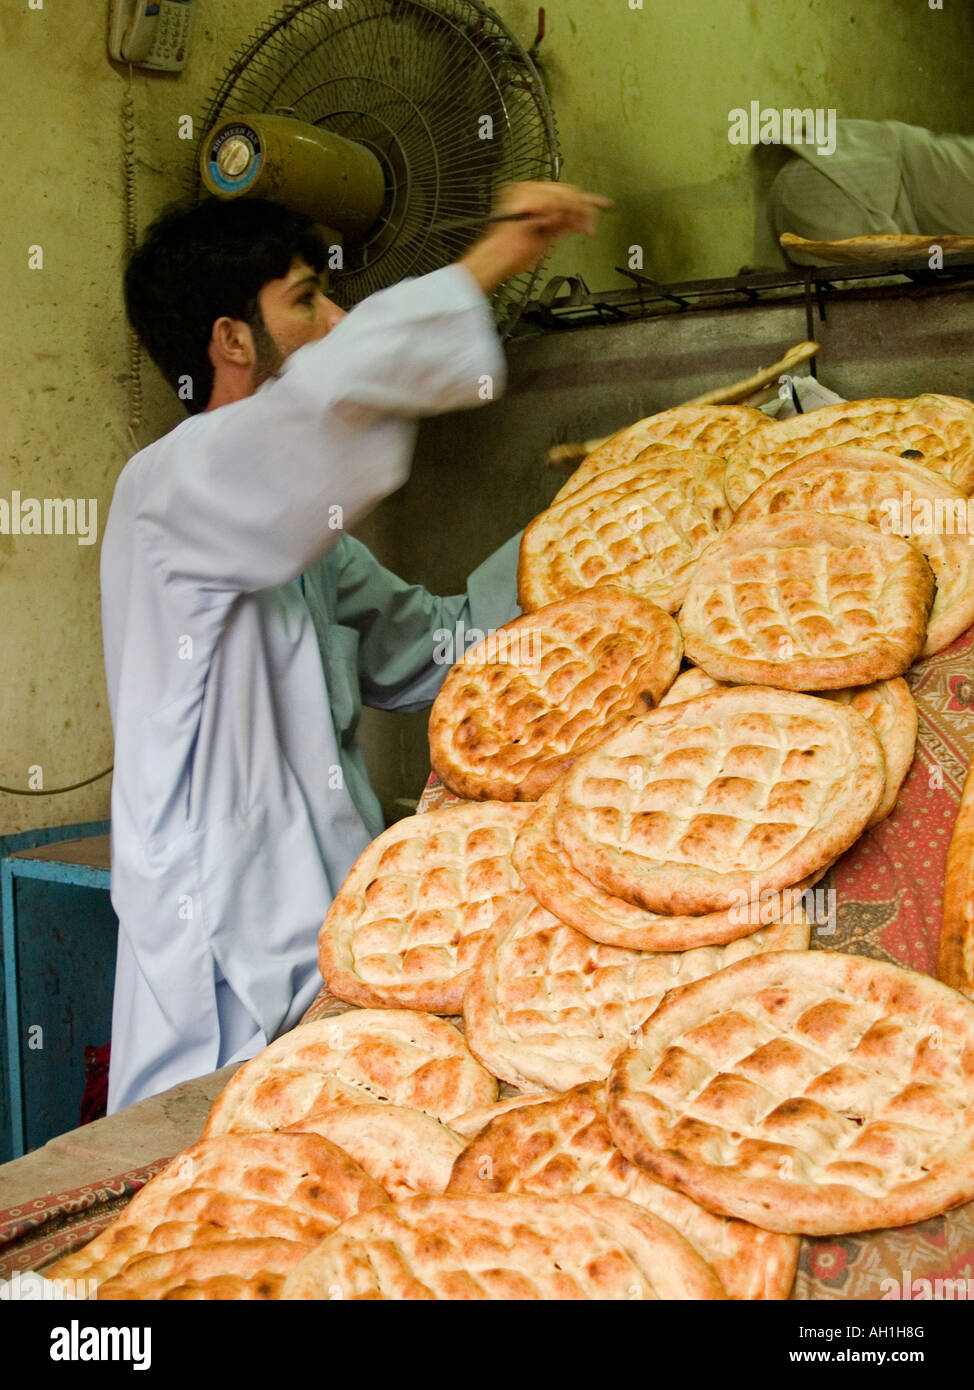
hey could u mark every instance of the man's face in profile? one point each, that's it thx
(294, 312)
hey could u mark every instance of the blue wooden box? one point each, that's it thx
(60, 935)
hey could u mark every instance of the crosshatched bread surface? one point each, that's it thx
(898, 495)
(549, 1009)
(394, 1055)
(508, 1249)
(250, 1269)
(955, 964)
(713, 429)
(937, 430)
(887, 705)
(634, 527)
(807, 601)
(407, 1152)
(406, 924)
(280, 1187)
(563, 1148)
(701, 806)
(513, 713)
(551, 877)
(891, 710)
(807, 1092)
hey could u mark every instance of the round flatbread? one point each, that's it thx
(519, 707)
(224, 1271)
(806, 1092)
(633, 527)
(393, 1055)
(407, 1152)
(710, 804)
(936, 430)
(548, 1009)
(887, 705)
(807, 601)
(283, 1188)
(563, 1148)
(891, 710)
(507, 1249)
(900, 497)
(551, 877)
(713, 429)
(405, 926)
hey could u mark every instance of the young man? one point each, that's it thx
(243, 628)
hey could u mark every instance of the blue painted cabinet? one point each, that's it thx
(59, 940)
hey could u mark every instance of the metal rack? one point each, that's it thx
(567, 302)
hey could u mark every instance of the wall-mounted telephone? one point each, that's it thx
(150, 33)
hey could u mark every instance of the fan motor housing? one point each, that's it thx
(334, 181)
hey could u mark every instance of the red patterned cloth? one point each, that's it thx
(39, 1231)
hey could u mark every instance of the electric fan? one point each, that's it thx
(388, 121)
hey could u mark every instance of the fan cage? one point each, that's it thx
(441, 92)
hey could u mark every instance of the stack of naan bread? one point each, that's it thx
(585, 1050)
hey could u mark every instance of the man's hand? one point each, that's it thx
(509, 247)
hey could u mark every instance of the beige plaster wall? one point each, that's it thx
(641, 96)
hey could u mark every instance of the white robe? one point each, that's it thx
(232, 820)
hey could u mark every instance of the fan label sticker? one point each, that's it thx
(235, 156)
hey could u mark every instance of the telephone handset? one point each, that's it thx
(150, 33)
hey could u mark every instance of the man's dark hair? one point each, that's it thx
(199, 263)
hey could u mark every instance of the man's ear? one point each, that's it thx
(232, 343)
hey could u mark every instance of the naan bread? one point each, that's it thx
(563, 1148)
(405, 926)
(702, 806)
(517, 709)
(807, 601)
(637, 527)
(505, 1249)
(807, 1092)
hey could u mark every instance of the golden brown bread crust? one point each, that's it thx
(548, 1009)
(938, 428)
(891, 710)
(806, 1092)
(407, 1152)
(474, 1121)
(713, 429)
(394, 1055)
(505, 1248)
(551, 877)
(287, 1188)
(514, 712)
(235, 1270)
(880, 246)
(688, 685)
(706, 805)
(404, 928)
(563, 1147)
(898, 495)
(639, 527)
(887, 705)
(955, 963)
(807, 601)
